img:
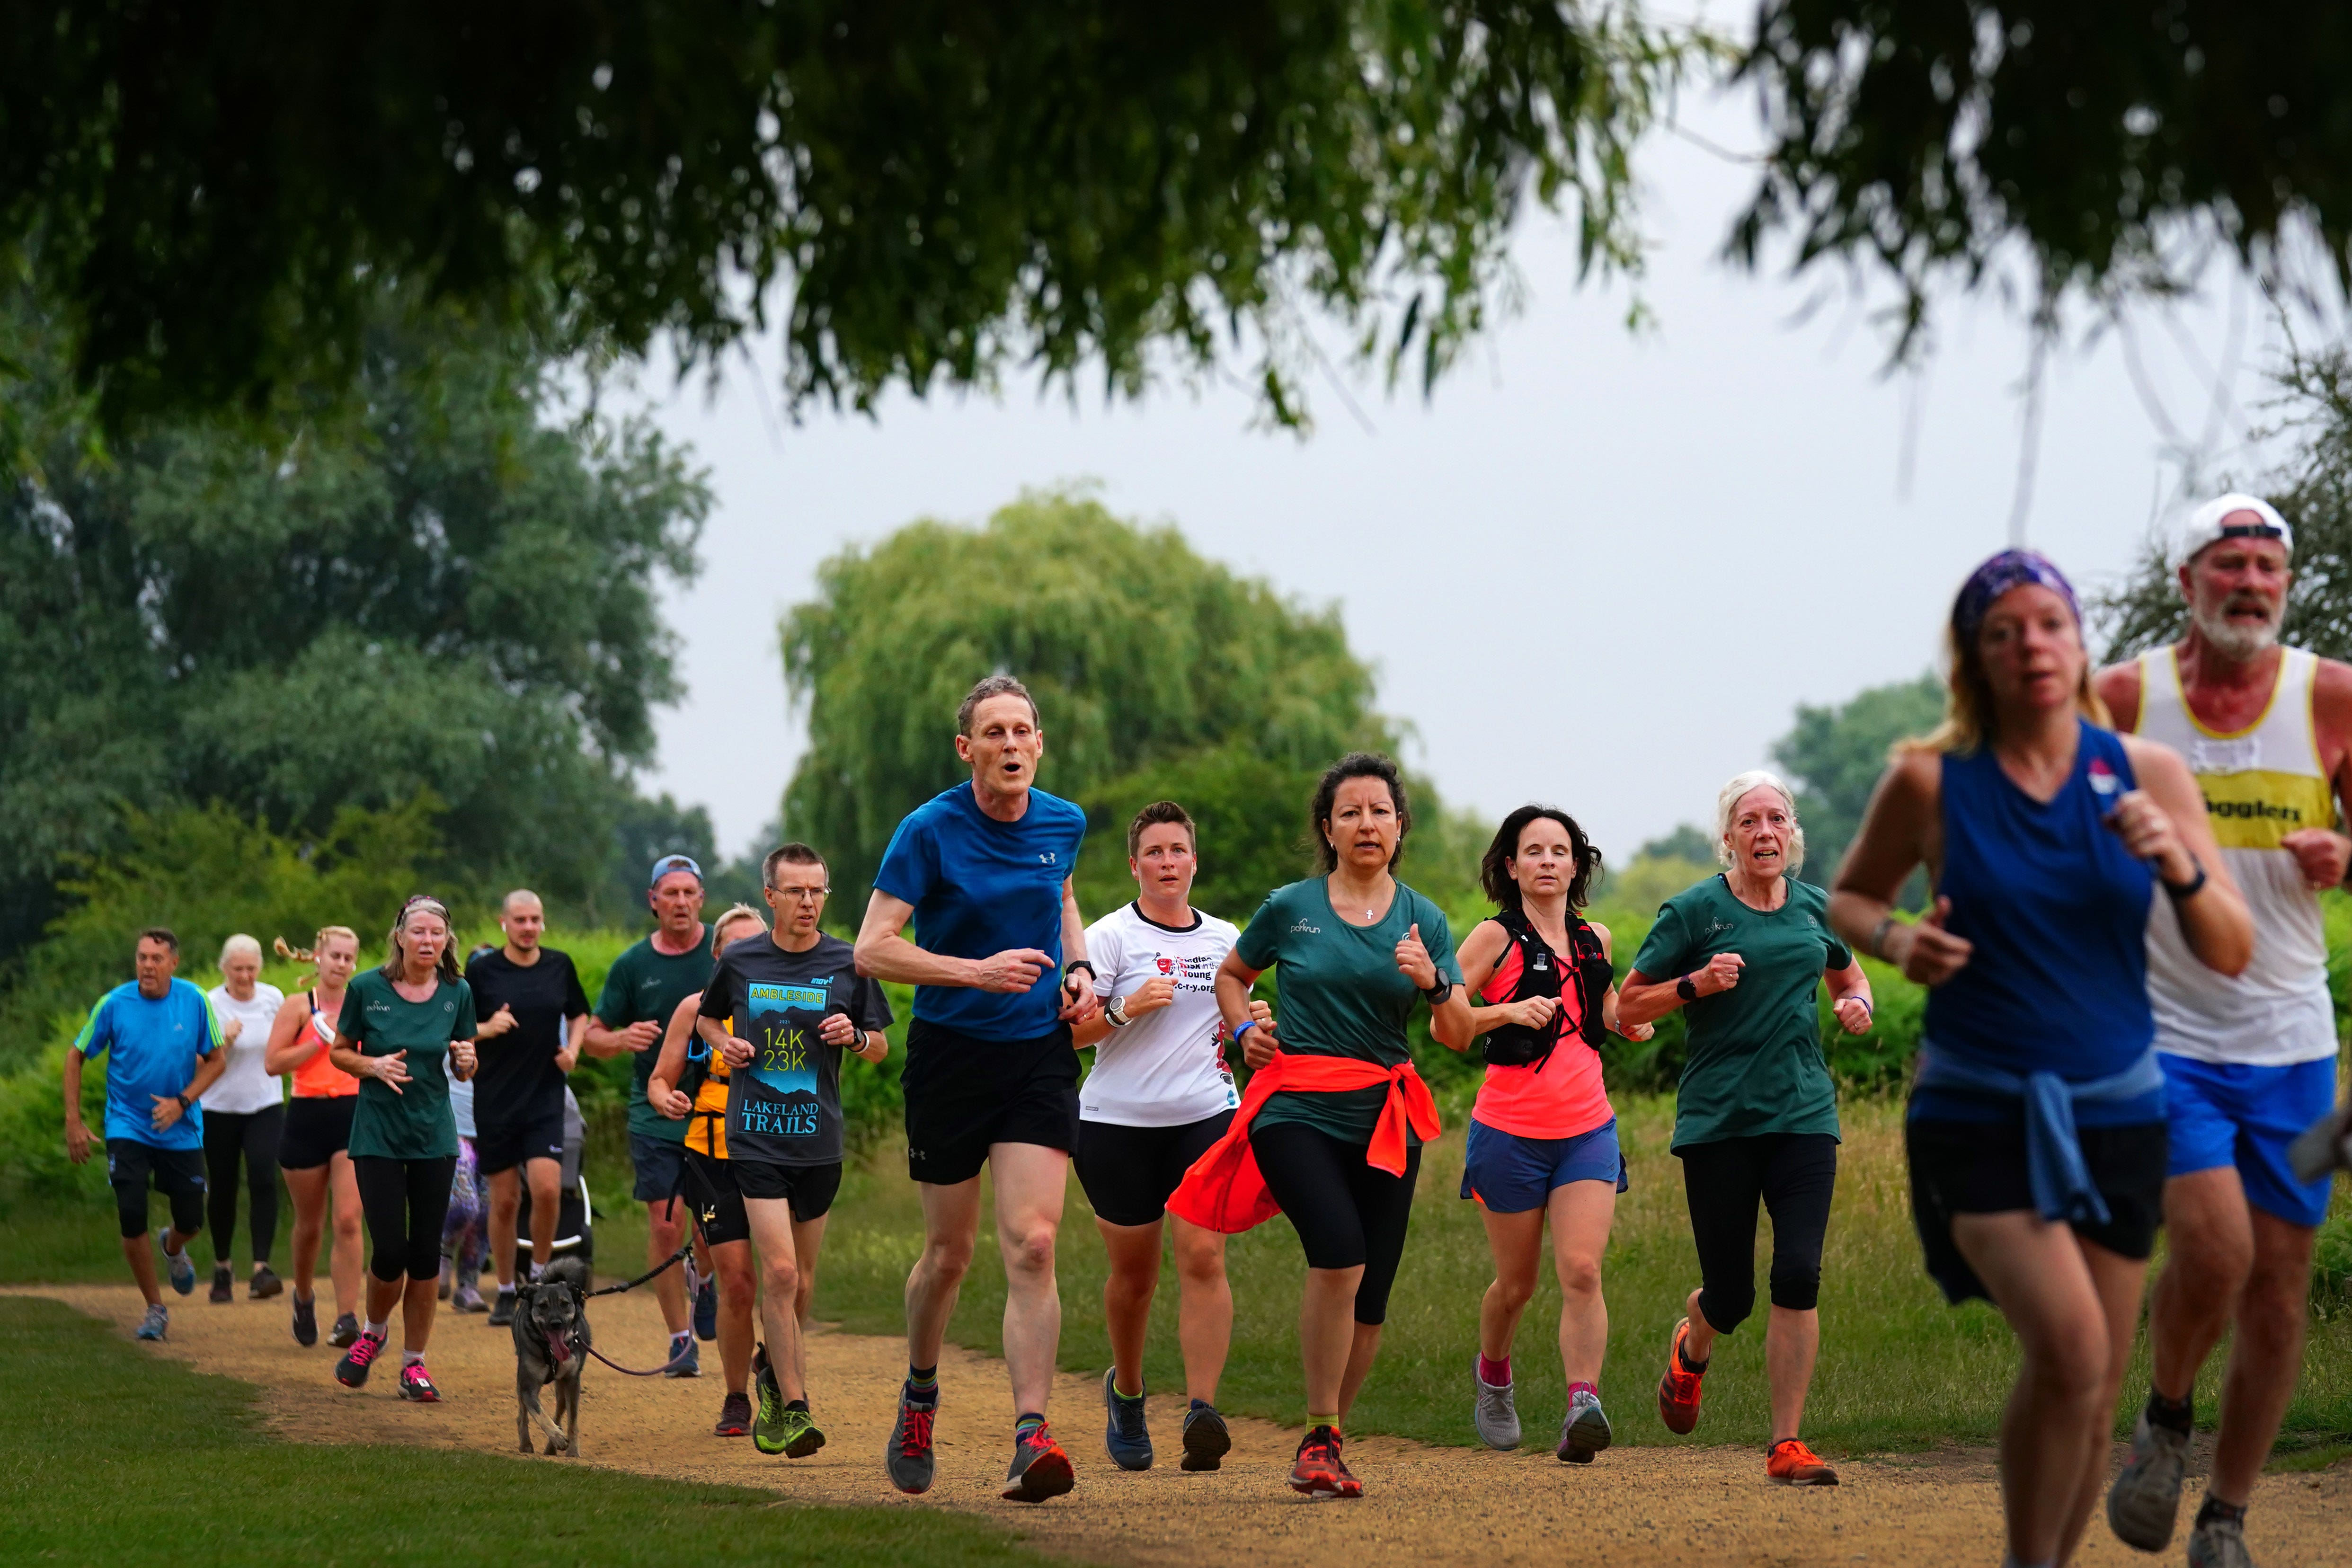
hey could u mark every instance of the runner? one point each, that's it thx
(167, 1053)
(984, 873)
(641, 989)
(1542, 1151)
(400, 1024)
(245, 1119)
(1159, 1096)
(2036, 1127)
(2249, 1061)
(1755, 1114)
(778, 1014)
(465, 1229)
(314, 1155)
(535, 1019)
(688, 1083)
(1330, 1131)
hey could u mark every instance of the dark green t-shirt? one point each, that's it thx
(1754, 1060)
(1340, 993)
(414, 1122)
(643, 985)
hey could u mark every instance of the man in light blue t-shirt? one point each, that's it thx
(167, 1049)
(1000, 971)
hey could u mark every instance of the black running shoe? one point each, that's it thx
(1125, 1436)
(346, 1332)
(351, 1371)
(908, 1457)
(223, 1284)
(1206, 1441)
(502, 1311)
(264, 1284)
(306, 1322)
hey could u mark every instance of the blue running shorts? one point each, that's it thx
(2227, 1114)
(1511, 1175)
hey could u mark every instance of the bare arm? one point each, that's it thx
(287, 1048)
(2118, 688)
(602, 1042)
(1899, 833)
(2177, 837)
(661, 1084)
(885, 954)
(1234, 979)
(1079, 1003)
(77, 1139)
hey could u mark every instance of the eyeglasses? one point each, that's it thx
(810, 893)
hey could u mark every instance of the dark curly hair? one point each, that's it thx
(1495, 866)
(1355, 765)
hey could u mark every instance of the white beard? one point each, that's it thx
(2233, 640)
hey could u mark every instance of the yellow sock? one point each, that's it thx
(1330, 1421)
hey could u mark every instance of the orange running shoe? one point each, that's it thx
(1320, 1472)
(1678, 1390)
(1791, 1464)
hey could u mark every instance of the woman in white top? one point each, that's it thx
(244, 1116)
(1159, 1094)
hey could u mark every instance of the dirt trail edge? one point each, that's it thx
(1424, 1505)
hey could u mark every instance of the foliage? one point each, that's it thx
(937, 190)
(1926, 137)
(1688, 842)
(1138, 651)
(445, 592)
(1834, 757)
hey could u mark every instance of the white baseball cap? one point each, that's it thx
(2205, 525)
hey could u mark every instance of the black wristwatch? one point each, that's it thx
(183, 1098)
(1075, 965)
(1436, 994)
(1686, 989)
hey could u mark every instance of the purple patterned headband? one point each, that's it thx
(2010, 569)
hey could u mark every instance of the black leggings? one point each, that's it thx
(406, 1202)
(254, 1136)
(1346, 1212)
(1794, 1174)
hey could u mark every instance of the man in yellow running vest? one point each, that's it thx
(2249, 1061)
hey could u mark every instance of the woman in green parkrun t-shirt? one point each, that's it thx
(1357, 950)
(406, 1030)
(1756, 1115)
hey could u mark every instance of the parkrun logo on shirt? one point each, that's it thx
(1309, 930)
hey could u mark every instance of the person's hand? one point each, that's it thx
(390, 1069)
(1636, 1032)
(640, 1035)
(77, 1142)
(2322, 856)
(167, 1111)
(737, 1052)
(1258, 1046)
(568, 1058)
(1531, 1012)
(1413, 962)
(1927, 953)
(2146, 831)
(498, 1023)
(667, 1100)
(1853, 1013)
(836, 1030)
(1015, 969)
(1721, 974)
(461, 1052)
(231, 1030)
(1151, 996)
(1079, 1002)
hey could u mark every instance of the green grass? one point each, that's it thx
(1898, 1368)
(116, 1456)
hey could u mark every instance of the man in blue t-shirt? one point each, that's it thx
(984, 873)
(167, 1052)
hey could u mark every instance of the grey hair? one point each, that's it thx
(240, 943)
(1728, 797)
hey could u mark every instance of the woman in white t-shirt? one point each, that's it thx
(1159, 1094)
(244, 1116)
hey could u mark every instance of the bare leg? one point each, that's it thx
(1582, 1213)
(1363, 1349)
(140, 1252)
(2210, 1252)
(732, 1261)
(506, 1203)
(665, 1227)
(780, 1290)
(1792, 1343)
(343, 1260)
(546, 1179)
(808, 1241)
(309, 1191)
(1327, 1334)
(951, 1226)
(1133, 1281)
(1031, 1182)
(2265, 1356)
(417, 1306)
(1517, 1243)
(1205, 1323)
(1699, 1344)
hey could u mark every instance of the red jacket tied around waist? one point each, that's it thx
(1223, 1191)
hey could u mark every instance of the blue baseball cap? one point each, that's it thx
(669, 863)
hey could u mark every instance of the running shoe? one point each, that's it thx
(684, 1356)
(415, 1386)
(797, 1434)
(223, 1284)
(264, 1284)
(908, 1457)
(155, 1325)
(2145, 1502)
(1321, 1471)
(346, 1332)
(502, 1311)
(1791, 1464)
(306, 1322)
(2218, 1543)
(178, 1265)
(1678, 1390)
(1125, 1436)
(351, 1371)
(734, 1416)
(1039, 1470)
(1496, 1413)
(767, 1432)
(1584, 1431)
(466, 1298)
(1206, 1440)
(706, 1312)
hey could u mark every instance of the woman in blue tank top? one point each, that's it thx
(2036, 1126)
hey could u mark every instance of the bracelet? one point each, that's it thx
(1437, 993)
(2181, 891)
(1242, 1028)
(1686, 989)
(1886, 923)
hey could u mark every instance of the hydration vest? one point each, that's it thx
(1542, 972)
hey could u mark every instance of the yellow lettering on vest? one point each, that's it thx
(2255, 809)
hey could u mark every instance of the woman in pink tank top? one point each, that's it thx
(1543, 1139)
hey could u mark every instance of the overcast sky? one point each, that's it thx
(1599, 568)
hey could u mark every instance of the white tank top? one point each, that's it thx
(2260, 784)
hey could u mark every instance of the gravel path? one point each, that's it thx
(1634, 1506)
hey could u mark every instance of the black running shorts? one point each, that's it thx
(1979, 1167)
(1129, 1172)
(964, 1094)
(809, 1188)
(318, 1128)
(178, 1175)
(536, 1134)
(715, 1201)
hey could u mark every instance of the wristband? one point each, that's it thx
(1686, 989)
(2180, 892)
(1242, 1028)
(1075, 965)
(1435, 995)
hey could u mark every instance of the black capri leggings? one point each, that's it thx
(252, 1136)
(1794, 1174)
(1345, 1211)
(406, 1202)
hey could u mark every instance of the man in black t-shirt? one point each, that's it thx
(533, 1016)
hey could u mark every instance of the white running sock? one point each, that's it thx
(412, 1358)
(379, 1330)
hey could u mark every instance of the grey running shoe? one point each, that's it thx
(346, 1333)
(1496, 1414)
(1584, 1431)
(2145, 1500)
(908, 1457)
(155, 1324)
(178, 1265)
(2220, 1543)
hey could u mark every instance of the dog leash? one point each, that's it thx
(616, 1290)
(633, 1372)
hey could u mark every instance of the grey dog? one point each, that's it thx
(550, 1336)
